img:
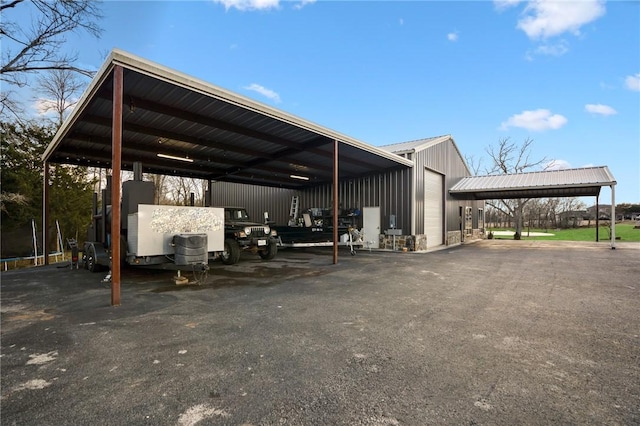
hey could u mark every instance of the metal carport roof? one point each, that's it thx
(136, 111)
(219, 134)
(579, 182)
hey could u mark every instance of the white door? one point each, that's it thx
(371, 226)
(433, 208)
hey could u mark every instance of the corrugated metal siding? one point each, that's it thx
(445, 159)
(390, 191)
(257, 199)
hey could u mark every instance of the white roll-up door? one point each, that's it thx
(433, 208)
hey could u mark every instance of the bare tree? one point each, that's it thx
(508, 157)
(473, 164)
(159, 190)
(571, 208)
(180, 189)
(59, 91)
(37, 47)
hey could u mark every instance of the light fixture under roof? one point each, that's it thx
(298, 177)
(173, 157)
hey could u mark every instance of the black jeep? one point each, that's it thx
(240, 234)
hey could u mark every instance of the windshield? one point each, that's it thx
(236, 214)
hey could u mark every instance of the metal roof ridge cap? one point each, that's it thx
(148, 67)
(96, 81)
(433, 141)
(609, 174)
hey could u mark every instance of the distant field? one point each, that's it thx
(624, 231)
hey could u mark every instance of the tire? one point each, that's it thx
(90, 261)
(270, 252)
(231, 253)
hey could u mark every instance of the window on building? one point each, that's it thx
(481, 219)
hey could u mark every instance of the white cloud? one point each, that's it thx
(549, 18)
(452, 36)
(537, 120)
(274, 96)
(501, 5)
(303, 3)
(600, 109)
(633, 82)
(248, 5)
(50, 107)
(44, 106)
(557, 165)
(555, 49)
(606, 86)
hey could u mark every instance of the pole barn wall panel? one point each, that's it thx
(257, 199)
(443, 158)
(390, 191)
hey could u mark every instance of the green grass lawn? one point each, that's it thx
(624, 232)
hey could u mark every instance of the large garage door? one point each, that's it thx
(433, 208)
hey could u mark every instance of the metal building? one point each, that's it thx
(409, 207)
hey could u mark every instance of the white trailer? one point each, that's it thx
(177, 235)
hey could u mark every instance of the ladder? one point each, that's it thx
(295, 209)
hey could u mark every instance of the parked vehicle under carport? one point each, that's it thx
(241, 234)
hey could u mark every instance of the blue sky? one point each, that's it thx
(566, 74)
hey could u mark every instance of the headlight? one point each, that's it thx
(247, 231)
(267, 230)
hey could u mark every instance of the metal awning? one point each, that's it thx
(175, 124)
(580, 182)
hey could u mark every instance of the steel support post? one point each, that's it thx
(613, 217)
(116, 165)
(335, 202)
(45, 213)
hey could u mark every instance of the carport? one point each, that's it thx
(579, 182)
(136, 111)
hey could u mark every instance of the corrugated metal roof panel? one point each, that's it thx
(568, 182)
(413, 146)
(226, 135)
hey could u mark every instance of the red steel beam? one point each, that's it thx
(45, 213)
(335, 202)
(116, 166)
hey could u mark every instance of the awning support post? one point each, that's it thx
(613, 217)
(116, 165)
(598, 218)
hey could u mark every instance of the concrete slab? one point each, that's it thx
(495, 332)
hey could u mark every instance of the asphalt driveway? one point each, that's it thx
(496, 332)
